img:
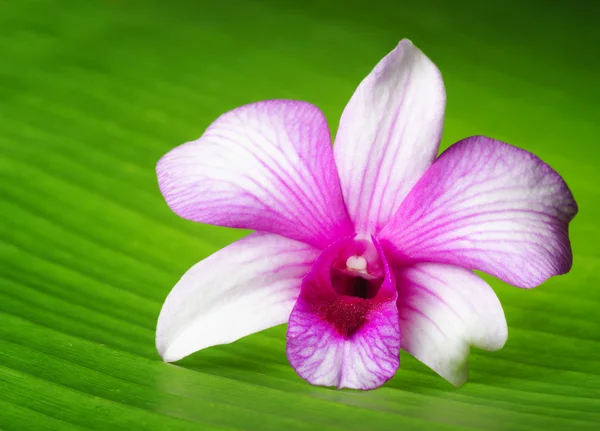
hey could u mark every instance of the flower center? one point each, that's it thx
(356, 263)
(356, 275)
(353, 285)
(346, 285)
(357, 270)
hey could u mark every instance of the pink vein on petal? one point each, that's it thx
(267, 166)
(489, 206)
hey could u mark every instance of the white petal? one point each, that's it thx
(244, 288)
(389, 134)
(443, 310)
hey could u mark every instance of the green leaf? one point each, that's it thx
(92, 94)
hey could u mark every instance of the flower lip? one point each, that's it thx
(347, 314)
(344, 330)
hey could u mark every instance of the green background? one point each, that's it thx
(94, 92)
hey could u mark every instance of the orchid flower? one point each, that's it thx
(365, 248)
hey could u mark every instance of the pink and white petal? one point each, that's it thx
(339, 340)
(244, 288)
(389, 134)
(489, 206)
(443, 310)
(266, 166)
(365, 360)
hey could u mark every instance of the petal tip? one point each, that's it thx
(166, 359)
(458, 383)
(459, 375)
(166, 345)
(405, 42)
(496, 341)
(168, 354)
